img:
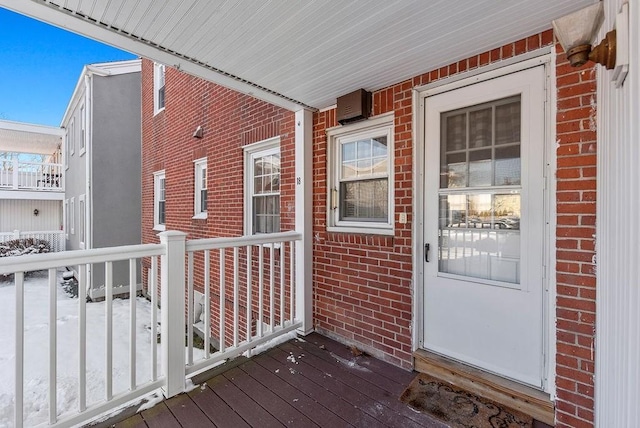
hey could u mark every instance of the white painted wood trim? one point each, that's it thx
(303, 219)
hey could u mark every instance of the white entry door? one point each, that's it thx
(484, 225)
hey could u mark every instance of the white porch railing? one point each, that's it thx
(249, 291)
(55, 237)
(21, 175)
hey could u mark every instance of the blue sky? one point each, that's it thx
(40, 66)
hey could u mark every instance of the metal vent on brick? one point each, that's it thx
(353, 106)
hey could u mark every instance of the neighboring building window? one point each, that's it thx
(158, 87)
(81, 222)
(200, 197)
(72, 216)
(83, 127)
(159, 196)
(72, 136)
(67, 151)
(360, 177)
(262, 187)
(66, 218)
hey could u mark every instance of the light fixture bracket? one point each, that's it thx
(605, 52)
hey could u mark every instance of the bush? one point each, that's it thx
(20, 247)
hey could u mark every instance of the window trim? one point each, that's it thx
(157, 176)
(83, 127)
(66, 218)
(159, 73)
(251, 151)
(199, 166)
(72, 219)
(82, 212)
(383, 123)
(72, 134)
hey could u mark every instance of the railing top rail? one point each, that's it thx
(20, 162)
(33, 262)
(241, 241)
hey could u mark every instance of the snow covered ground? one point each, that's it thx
(37, 349)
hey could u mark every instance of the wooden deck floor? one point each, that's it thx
(312, 383)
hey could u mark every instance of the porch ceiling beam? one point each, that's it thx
(57, 15)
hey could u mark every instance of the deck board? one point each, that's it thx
(215, 408)
(241, 403)
(323, 417)
(315, 382)
(159, 416)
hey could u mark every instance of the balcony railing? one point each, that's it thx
(21, 175)
(248, 289)
(55, 238)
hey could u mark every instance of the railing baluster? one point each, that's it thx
(108, 334)
(260, 291)
(190, 310)
(249, 296)
(19, 379)
(222, 300)
(82, 337)
(272, 283)
(133, 283)
(207, 303)
(236, 295)
(282, 281)
(53, 317)
(292, 276)
(153, 286)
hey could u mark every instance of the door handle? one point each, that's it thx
(426, 252)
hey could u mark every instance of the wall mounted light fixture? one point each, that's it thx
(576, 32)
(199, 132)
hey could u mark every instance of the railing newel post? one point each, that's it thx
(172, 301)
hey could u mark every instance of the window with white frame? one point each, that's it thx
(83, 126)
(159, 198)
(200, 197)
(262, 186)
(66, 218)
(81, 220)
(158, 87)
(360, 177)
(72, 136)
(67, 153)
(72, 215)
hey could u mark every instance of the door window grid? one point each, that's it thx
(479, 234)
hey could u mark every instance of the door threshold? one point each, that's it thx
(520, 397)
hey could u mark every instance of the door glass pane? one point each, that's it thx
(453, 171)
(480, 128)
(480, 168)
(507, 166)
(455, 129)
(508, 123)
(479, 236)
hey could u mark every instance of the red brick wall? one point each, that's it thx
(363, 282)
(230, 120)
(575, 234)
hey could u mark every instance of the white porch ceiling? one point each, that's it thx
(302, 53)
(27, 138)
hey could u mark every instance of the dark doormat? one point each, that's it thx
(460, 408)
